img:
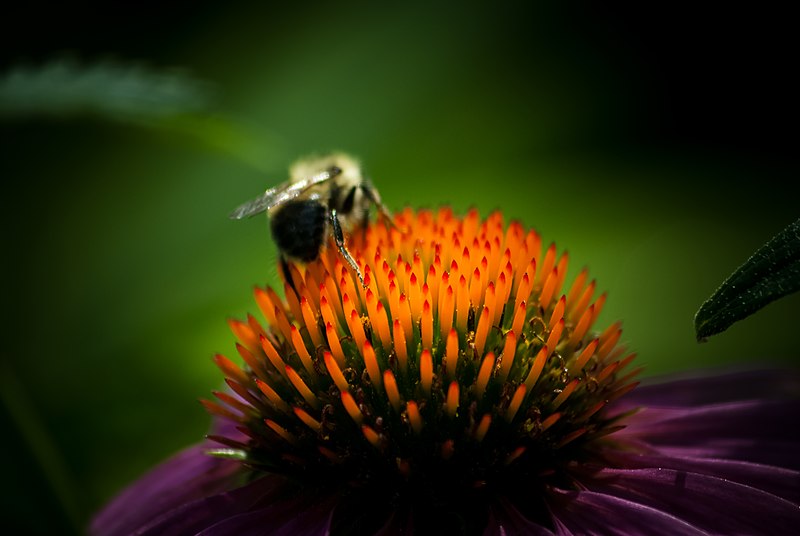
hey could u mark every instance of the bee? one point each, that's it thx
(325, 197)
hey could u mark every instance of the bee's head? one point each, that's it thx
(345, 169)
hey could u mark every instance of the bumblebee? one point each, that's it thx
(325, 197)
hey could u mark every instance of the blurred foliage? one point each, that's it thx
(591, 124)
(110, 89)
(169, 101)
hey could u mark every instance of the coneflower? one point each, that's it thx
(463, 389)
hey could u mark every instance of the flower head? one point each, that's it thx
(463, 388)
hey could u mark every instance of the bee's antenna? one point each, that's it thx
(373, 196)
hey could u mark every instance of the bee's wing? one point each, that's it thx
(251, 208)
(279, 194)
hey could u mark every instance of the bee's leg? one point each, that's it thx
(287, 274)
(364, 225)
(375, 199)
(338, 237)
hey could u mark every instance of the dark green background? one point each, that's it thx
(650, 142)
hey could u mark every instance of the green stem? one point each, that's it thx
(39, 443)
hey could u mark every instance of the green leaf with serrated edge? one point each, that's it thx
(771, 273)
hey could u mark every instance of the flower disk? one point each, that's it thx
(464, 363)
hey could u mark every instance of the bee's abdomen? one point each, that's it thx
(299, 229)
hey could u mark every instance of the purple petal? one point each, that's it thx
(305, 515)
(506, 520)
(186, 477)
(197, 516)
(590, 513)
(778, 481)
(706, 502)
(716, 388)
(755, 431)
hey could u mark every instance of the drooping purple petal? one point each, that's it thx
(588, 513)
(306, 515)
(755, 431)
(778, 481)
(717, 388)
(708, 503)
(194, 517)
(188, 476)
(704, 455)
(506, 520)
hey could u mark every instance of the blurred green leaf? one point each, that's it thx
(771, 273)
(109, 89)
(167, 100)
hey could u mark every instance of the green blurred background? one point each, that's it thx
(651, 142)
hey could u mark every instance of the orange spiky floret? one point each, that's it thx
(460, 341)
